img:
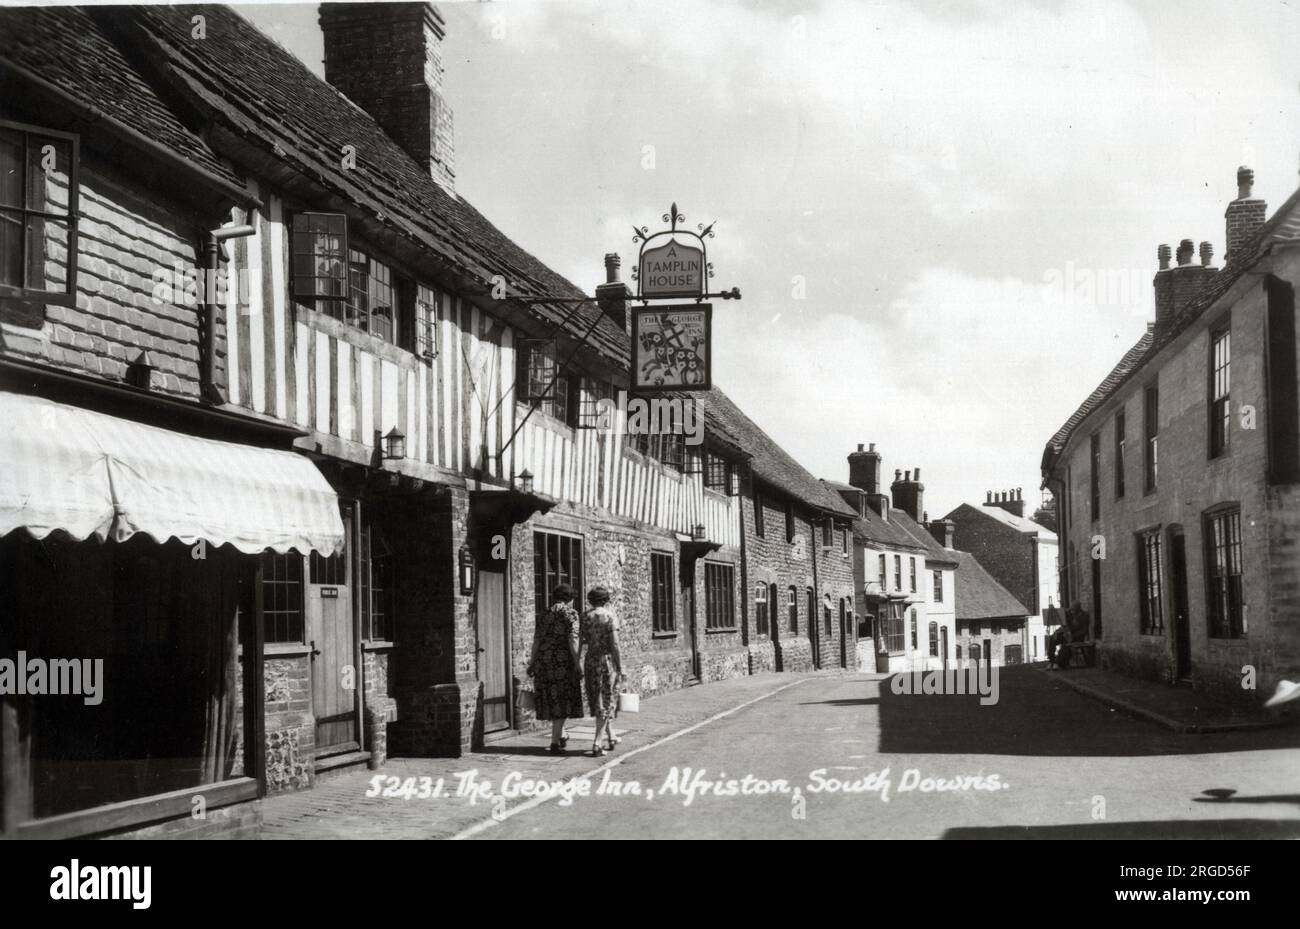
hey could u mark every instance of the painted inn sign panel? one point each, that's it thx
(671, 347)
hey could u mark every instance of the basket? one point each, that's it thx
(629, 702)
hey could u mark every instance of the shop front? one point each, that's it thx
(132, 561)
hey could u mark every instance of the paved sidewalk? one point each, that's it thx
(1179, 709)
(338, 808)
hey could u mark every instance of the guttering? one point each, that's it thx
(211, 393)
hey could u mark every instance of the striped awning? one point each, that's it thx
(86, 473)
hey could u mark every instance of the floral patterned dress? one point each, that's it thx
(557, 684)
(598, 662)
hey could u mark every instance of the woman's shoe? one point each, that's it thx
(557, 748)
(597, 751)
(613, 740)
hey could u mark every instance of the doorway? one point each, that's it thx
(493, 646)
(813, 638)
(774, 624)
(335, 678)
(1181, 622)
(688, 599)
(943, 646)
(844, 635)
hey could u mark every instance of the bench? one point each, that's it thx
(1083, 654)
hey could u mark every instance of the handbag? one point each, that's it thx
(629, 702)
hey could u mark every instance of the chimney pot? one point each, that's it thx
(1245, 182)
(988, 496)
(1207, 253)
(1185, 249)
(898, 474)
(872, 447)
(859, 446)
(918, 474)
(612, 264)
(907, 476)
(1163, 254)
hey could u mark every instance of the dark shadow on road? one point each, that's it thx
(865, 701)
(1034, 716)
(1226, 795)
(1156, 829)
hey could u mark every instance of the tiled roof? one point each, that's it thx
(1284, 226)
(1011, 520)
(979, 596)
(874, 531)
(67, 49)
(935, 552)
(255, 88)
(770, 463)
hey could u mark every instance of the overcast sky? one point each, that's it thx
(943, 216)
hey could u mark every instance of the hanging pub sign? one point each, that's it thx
(672, 347)
(673, 263)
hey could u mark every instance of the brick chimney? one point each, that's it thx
(1010, 500)
(1244, 216)
(1163, 286)
(612, 296)
(864, 469)
(943, 530)
(909, 493)
(1186, 280)
(387, 59)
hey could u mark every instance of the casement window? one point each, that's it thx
(369, 305)
(718, 474)
(828, 534)
(1220, 382)
(758, 514)
(541, 380)
(898, 572)
(662, 601)
(282, 598)
(892, 633)
(828, 621)
(912, 617)
(719, 596)
(557, 559)
(913, 574)
(1121, 441)
(1224, 593)
(760, 609)
(1150, 595)
(425, 337)
(1094, 475)
(844, 619)
(934, 640)
(376, 586)
(938, 587)
(792, 605)
(1151, 429)
(789, 522)
(39, 192)
(320, 257)
(884, 578)
(672, 451)
(844, 541)
(595, 399)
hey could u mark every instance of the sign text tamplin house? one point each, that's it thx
(671, 270)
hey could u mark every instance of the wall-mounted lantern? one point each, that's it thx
(700, 534)
(395, 445)
(466, 570)
(526, 481)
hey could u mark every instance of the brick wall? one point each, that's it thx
(774, 559)
(237, 821)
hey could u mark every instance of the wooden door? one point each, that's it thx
(334, 669)
(774, 624)
(943, 646)
(493, 647)
(687, 602)
(813, 637)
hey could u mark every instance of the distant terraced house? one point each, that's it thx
(1183, 469)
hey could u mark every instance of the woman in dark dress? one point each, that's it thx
(557, 683)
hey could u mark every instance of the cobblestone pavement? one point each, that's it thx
(338, 808)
